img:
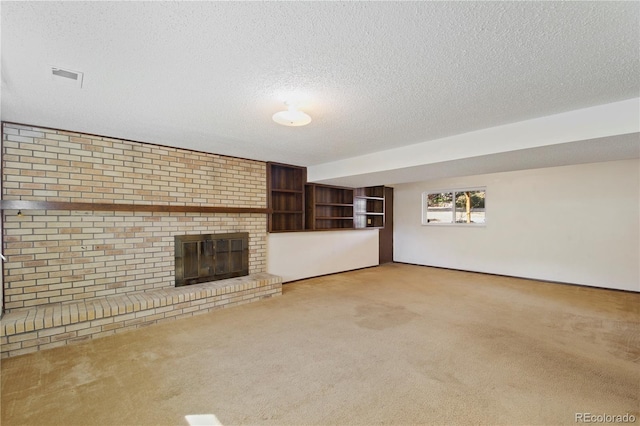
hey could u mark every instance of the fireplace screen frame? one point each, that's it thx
(210, 257)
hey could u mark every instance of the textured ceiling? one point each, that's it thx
(373, 75)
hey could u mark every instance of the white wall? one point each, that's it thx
(574, 224)
(298, 255)
(1, 234)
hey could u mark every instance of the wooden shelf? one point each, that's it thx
(370, 192)
(298, 206)
(285, 177)
(287, 191)
(285, 185)
(369, 207)
(328, 207)
(334, 217)
(117, 207)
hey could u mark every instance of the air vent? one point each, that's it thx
(66, 77)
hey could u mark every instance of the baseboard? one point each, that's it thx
(332, 273)
(521, 278)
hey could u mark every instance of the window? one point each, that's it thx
(460, 206)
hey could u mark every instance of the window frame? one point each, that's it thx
(453, 191)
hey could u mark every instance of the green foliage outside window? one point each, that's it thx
(460, 206)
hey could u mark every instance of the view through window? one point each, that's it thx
(461, 206)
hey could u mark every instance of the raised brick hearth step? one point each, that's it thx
(47, 326)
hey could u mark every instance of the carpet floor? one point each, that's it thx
(395, 344)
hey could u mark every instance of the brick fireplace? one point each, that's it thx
(69, 255)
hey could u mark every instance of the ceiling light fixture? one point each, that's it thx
(291, 117)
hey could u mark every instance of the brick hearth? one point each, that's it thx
(47, 326)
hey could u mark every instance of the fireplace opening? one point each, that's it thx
(211, 257)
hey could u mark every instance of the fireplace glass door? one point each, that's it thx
(211, 257)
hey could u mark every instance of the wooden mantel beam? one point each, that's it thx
(62, 205)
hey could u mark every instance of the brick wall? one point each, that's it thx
(44, 164)
(55, 256)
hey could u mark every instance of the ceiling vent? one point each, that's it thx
(66, 77)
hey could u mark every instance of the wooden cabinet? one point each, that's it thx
(286, 197)
(369, 207)
(328, 207)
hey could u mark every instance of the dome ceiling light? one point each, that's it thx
(291, 117)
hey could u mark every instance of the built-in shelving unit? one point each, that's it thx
(368, 207)
(328, 207)
(286, 197)
(295, 205)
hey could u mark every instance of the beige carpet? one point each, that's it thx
(396, 344)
